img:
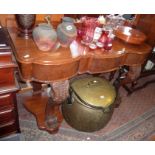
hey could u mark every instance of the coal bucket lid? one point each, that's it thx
(95, 91)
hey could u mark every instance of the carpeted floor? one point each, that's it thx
(133, 120)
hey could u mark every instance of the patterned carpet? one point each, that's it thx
(139, 129)
(133, 120)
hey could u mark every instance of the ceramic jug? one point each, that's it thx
(45, 36)
(66, 31)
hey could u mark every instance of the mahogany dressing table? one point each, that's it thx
(58, 65)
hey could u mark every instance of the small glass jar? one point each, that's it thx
(97, 34)
(108, 44)
(102, 40)
(114, 21)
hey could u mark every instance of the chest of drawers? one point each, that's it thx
(8, 86)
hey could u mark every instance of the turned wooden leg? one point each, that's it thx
(131, 78)
(126, 78)
(53, 115)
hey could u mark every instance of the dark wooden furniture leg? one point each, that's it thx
(53, 115)
(36, 87)
(117, 84)
(128, 77)
(47, 110)
(112, 74)
(124, 78)
(47, 113)
(146, 73)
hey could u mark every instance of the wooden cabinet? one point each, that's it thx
(8, 87)
(146, 23)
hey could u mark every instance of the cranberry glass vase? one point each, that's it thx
(89, 25)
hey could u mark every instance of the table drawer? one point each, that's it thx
(7, 116)
(6, 58)
(7, 77)
(6, 100)
(8, 128)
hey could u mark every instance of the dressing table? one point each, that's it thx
(39, 67)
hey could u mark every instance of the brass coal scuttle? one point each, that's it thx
(90, 105)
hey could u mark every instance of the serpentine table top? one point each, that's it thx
(56, 65)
